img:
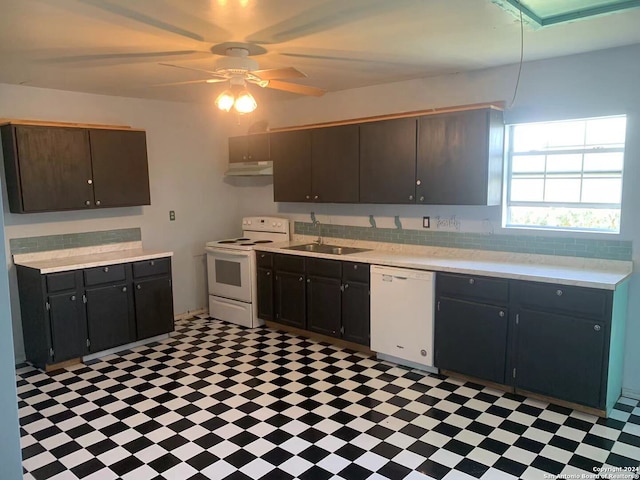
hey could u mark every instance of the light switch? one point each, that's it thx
(426, 222)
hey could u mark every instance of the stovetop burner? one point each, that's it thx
(246, 244)
(263, 241)
(235, 240)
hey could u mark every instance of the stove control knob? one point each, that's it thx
(244, 222)
(248, 222)
(273, 224)
(279, 224)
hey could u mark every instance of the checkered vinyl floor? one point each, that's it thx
(217, 401)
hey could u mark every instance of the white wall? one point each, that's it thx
(187, 150)
(594, 84)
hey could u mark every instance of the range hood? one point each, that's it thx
(250, 168)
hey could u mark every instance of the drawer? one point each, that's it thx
(322, 267)
(289, 263)
(56, 282)
(108, 274)
(355, 272)
(575, 301)
(484, 289)
(156, 266)
(264, 259)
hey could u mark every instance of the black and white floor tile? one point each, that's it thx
(216, 401)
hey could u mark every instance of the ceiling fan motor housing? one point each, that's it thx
(236, 62)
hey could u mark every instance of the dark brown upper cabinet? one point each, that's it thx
(249, 148)
(388, 161)
(460, 157)
(120, 168)
(51, 168)
(335, 166)
(291, 155)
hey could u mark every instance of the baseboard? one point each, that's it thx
(190, 313)
(628, 393)
(128, 346)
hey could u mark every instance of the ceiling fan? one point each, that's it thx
(236, 67)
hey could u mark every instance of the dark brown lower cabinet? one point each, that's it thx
(154, 307)
(290, 299)
(265, 293)
(356, 323)
(109, 322)
(471, 338)
(69, 314)
(323, 305)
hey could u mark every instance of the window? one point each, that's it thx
(566, 175)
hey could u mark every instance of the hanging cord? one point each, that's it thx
(515, 91)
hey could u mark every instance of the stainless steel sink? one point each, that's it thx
(332, 249)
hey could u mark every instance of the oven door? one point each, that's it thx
(229, 273)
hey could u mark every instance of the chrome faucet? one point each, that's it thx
(318, 225)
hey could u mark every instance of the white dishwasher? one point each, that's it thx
(402, 312)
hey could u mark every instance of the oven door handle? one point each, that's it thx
(218, 251)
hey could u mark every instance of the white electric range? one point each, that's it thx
(231, 270)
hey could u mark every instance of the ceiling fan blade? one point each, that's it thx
(322, 18)
(208, 72)
(296, 88)
(273, 73)
(125, 57)
(189, 82)
(121, 10)
(346, 56)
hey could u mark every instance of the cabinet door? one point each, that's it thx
(456, 165)
(120, 169)
(471, 338)
(108, 319)
(388, 161)
(238, 149)
(356, 320)
(68, 326)
(258, 147)
(560, 356)
(154, 307)
(323, 305)
(54, 167)
(290, 305)
(265, 293)
(335, 164)
(291, 155)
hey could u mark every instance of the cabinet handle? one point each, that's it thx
(105, 269)
(262, 255)
(307, 197)
(124, 289)
(97, 202)
(300, 279)
(418, 182)
(250, 157)
(315, 197)
(501, 313)
(268, 273)
(596, 328)
(89, 181)
(308, 280)
(559, 292)
(471, 281)
(346, 285)
(422, 198)
(410, 197)
(72, 298)
(139, 287)
(87, 203)
(244, 157)
(152, 263)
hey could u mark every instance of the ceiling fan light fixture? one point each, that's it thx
(245, 103)
(225, 100)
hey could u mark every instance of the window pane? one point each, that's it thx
(576, 218)
(527, 190)
(606, 131)
(562, 190)
(528, 163)
(564, 163)
(602, 190)
(603, 162)
(565, 134)
(529, 137)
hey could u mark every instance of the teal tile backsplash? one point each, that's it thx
(73, 240)
(569, 247)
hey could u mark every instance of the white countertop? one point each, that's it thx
(86, 257)
(603, 274)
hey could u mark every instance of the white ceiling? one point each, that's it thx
(113, 47)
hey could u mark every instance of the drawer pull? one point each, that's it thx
(152, 263)
(355, 267)
(559, 292)
(501, 313)
(73, 298)
(471, 281)
(300, 279)
(262, 255)
(308, 280)
(596, 328)
(124, 289)
(268, 274)
(139, 287)
(105, 269)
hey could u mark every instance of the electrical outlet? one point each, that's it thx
(172, 215)
(426, 222)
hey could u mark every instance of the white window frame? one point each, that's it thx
(509, 154)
